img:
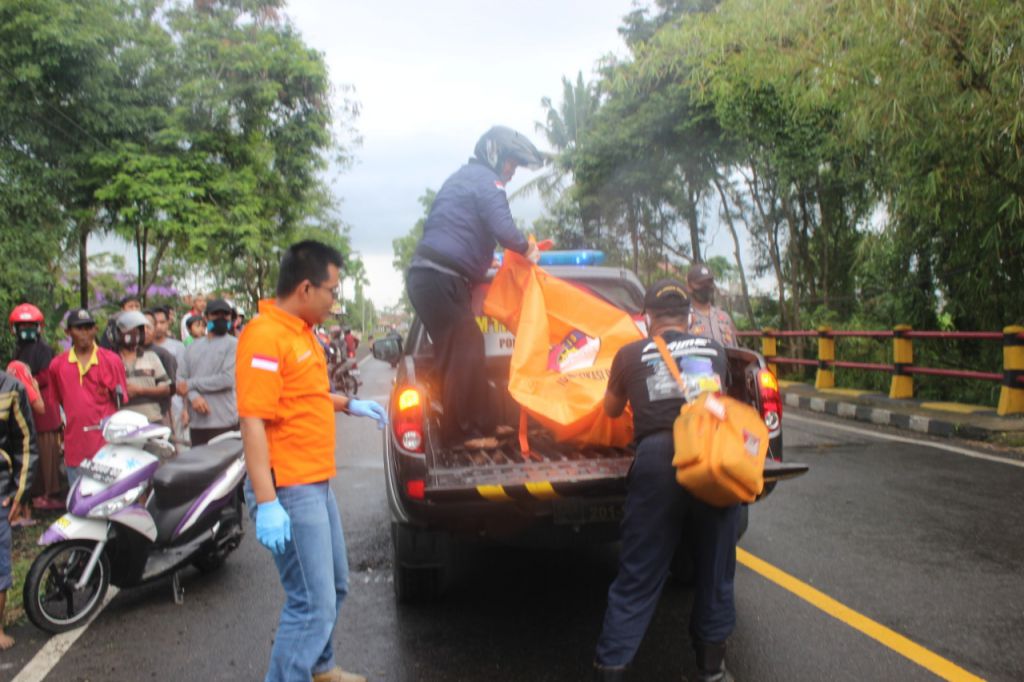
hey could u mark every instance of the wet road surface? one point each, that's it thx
(926, 542)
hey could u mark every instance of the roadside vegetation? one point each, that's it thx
(199, 132)
(870, 153)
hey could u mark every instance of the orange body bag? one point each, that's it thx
(566, 339)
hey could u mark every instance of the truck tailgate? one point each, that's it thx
(548, 471)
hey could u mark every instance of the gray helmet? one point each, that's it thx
(130, 320)
(501, 143)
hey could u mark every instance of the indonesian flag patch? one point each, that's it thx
(497, 183)
(264, 362)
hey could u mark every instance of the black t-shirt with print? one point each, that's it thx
(639, 373)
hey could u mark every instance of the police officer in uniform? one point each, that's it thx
(658, 511)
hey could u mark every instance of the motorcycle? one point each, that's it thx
(134, 518)
(345, 376)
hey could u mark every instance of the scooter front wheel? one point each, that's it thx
(52, 601)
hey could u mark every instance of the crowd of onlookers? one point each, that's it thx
(51, 402)
(183, 380)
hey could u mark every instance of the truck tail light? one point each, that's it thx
(771, 399)
(416, 489)
(408, 421)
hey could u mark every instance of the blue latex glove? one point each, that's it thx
(368, 408)
(273, 526)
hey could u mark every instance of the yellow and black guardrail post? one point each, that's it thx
(902, 385)
(826, 377)
(770, 348)
(1011, 395)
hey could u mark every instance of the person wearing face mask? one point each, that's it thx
(206, 380)
(27, 326)
(148, 382)
(707, 319)
(469, 216)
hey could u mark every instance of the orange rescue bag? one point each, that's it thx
(566, 339)
(720, 445)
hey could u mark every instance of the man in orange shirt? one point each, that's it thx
(286, 414)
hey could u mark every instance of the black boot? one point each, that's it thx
(711, 663)
(607, 673)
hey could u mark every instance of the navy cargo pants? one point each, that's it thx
(658, 512)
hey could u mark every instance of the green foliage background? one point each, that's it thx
(199, 132)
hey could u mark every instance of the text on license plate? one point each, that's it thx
(577, 512)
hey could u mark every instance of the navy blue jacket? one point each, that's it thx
(469, 215)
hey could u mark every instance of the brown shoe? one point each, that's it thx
(336, 674)
(504, 431)
(483, 443)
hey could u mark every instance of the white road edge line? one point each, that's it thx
(49, 656)
(885, 436)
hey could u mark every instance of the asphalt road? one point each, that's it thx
(924, 541)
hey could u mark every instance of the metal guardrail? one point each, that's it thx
(903, 369)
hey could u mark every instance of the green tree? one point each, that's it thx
(62, 102)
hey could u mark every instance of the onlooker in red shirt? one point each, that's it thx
(85, 380)
(351, 343)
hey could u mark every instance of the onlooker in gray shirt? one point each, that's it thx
(207, 378)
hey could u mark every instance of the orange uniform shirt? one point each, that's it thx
(281, 377)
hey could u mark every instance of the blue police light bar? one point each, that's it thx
(574, 257)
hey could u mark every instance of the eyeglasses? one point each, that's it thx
(335, 290)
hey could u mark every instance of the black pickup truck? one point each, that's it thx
(558, 495)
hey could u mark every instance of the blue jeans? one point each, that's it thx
(73, 475)
(314, 575)
(658, 511)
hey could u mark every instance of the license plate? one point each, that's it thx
(581, 512)
(354, 372)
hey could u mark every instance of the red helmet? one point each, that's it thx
(26, 312)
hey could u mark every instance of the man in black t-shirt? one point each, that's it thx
(658, 510)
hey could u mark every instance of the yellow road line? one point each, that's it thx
(947, 670)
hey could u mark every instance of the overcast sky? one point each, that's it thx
(430, 78)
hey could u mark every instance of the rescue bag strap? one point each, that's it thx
(667, 357)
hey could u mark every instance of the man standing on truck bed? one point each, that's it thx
(287, 422)
(469, 215)
(658, 510)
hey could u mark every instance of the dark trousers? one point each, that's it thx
(204, 436)
(658, 511)
(444, 304)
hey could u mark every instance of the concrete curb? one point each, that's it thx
(933, 426)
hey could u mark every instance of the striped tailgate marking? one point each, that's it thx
(494, 493)
(542, 490)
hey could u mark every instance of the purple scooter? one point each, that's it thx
(132, 519)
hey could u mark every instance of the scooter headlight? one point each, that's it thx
(112, 506)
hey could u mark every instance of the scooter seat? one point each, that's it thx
(185, 476)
